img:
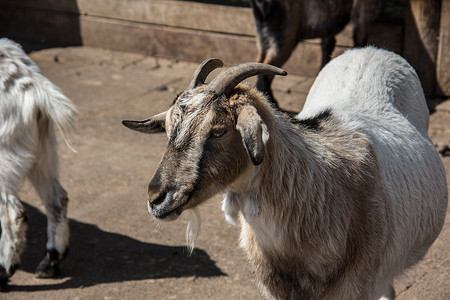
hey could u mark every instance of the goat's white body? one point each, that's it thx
(30, 106)
(377, 94)
(366, 85)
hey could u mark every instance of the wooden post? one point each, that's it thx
(422, 23)
(443, 56)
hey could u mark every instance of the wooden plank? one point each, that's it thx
(420, 43)
(184, 14)
(443, 57)
(45, 27)
(55, 5)
(190, 45)
(163, 41)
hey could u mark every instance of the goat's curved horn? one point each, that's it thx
(225, 82)
(203, 71)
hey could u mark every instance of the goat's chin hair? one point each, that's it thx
(193, 228)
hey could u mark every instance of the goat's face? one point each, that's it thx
(212, 140)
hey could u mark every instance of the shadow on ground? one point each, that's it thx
(96, 256)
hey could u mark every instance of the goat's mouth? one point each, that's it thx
(167, 212)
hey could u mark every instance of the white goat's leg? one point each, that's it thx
(55, 201)
(14, 162)
(44, 177)
(13, 235)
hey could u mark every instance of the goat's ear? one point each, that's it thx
(254, 133)
(154, 124)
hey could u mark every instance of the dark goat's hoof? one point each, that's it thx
(48, 267)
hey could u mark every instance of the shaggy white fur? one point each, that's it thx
(30, 106)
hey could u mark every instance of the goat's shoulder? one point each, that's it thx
(326, 126)
(332, 143)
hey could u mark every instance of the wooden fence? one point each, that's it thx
(194, 31)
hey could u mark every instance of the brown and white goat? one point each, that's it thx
(332, 204)
(282, 24)
(30, 108)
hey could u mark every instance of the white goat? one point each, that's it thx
(334, 203)
(30, 106)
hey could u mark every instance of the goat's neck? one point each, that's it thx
(302, 170)
(288, 163)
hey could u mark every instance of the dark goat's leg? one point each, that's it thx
(364, 16)
(276, 55)
(327, 49)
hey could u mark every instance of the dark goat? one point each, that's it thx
(282, 24)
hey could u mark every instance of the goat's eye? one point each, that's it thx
(218, 132)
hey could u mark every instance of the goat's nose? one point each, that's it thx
(157, 199)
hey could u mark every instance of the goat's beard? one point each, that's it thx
(193, 228)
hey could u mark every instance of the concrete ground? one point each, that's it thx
(116, 250)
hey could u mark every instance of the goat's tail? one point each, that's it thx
(58, 108)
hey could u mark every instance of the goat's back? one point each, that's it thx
(25, 92)
(369, 82)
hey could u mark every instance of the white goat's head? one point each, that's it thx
(214, 134)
